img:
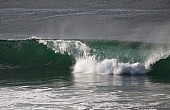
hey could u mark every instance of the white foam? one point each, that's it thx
(108, 66)
(34, 37)
(72, 47)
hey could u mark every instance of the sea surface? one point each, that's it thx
(85, 54)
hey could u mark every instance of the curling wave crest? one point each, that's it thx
(87, 61)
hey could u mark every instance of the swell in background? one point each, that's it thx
(132, 20)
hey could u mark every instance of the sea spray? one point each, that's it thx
(71, 47)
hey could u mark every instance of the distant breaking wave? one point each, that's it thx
(84, 56)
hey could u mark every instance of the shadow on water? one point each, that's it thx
(21, 77)
(160, 72)
(159, 77)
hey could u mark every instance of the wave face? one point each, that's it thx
(23, 54)
(83, 56)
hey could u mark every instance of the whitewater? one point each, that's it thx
(88, 60)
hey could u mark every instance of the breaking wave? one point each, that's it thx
(84, 56)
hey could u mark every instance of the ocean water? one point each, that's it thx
(84, 54)
(86, 74)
